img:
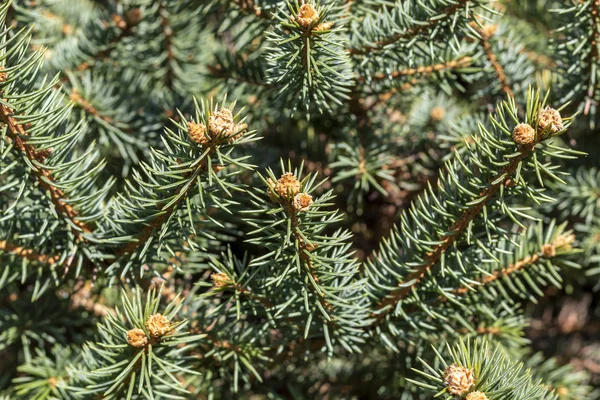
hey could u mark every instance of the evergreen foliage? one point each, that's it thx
(393, 187)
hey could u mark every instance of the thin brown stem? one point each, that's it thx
(491, 56)
(422, 70)
(16, 133)
(26, 253)
(547, 251)
(89, 108)
(304, 249)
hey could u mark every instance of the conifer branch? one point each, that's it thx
(158, 221)
(454, 232)
(303, 250)
(547, 251)
(412, 32)
(17, 133)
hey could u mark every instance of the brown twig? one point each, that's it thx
(560, 241)
(16, 133)
(422, 70)
(304, 249)
(26, 253)
(491, 56)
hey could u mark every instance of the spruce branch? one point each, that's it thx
(307, 58)
(548, 251)
(476, 371)
(417, 28)
(511, 165)
(319, 266)
(18, 133)
(147, 212)
(167, 210)
(454, 232)
(140, 350)
(48, 374)
(124, 26)
(87, 106)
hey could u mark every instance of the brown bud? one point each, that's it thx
(438, 113)
(548, 250)
(218, 168)
(307, 15)
(287, 186)
(524, 134)
(302, 201)
(221, 123)
(137, 337)
(323, 26)
(564, 241)
(197, 133)
(157, 325)
(476, 396)
(221, 280)
(458, 379)
(119, 22)
(550, 119)
(133, 16)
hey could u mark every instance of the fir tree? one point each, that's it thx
(303, 199)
